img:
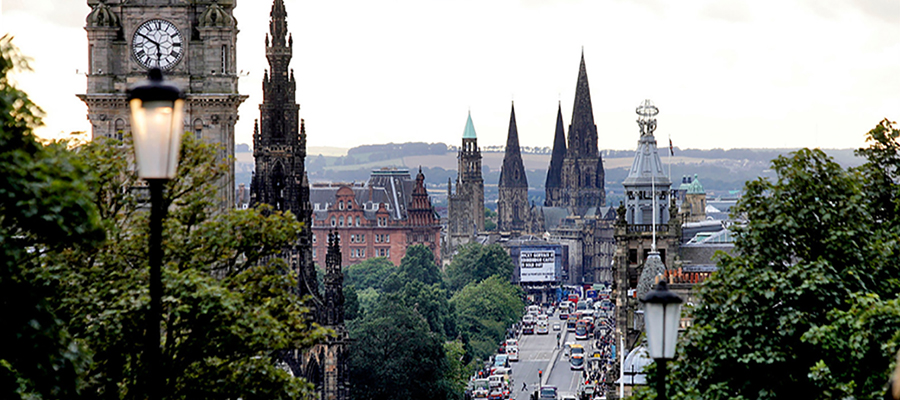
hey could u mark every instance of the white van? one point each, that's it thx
(534, 310)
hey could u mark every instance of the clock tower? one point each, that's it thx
(192, 41)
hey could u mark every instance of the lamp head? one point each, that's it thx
(157, 123)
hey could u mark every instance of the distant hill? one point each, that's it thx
(720, 171)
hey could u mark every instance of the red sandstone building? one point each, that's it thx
(380, 218)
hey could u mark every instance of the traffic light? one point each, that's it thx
(540, 374)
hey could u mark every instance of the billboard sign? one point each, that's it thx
(537, 265)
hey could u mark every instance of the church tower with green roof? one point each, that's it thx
(466, 207)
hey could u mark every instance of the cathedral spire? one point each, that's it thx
(554, 173)
(469, 133)
(582, 131)
(512, 172)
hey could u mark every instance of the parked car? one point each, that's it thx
(512, 353)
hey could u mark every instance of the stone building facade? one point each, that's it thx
(380, 218)
(280, 181)
(198, 54)
(466, 207)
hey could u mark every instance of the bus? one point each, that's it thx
(581, 331)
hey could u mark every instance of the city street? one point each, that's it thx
(535, 353)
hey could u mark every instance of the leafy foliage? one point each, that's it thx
(396, 356)
(45, 207)
(227, 314)
(475, 263)
(485, 310)
(809, 307)
(369, 273)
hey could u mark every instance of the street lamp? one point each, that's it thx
(662, 313)
(157, 110)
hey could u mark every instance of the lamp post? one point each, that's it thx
(662, 313)
(157, 112)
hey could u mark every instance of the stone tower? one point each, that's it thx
(279, 147)
(512, 206)
(193, 42)
(553, 184)
(582, 177)
(466, 214)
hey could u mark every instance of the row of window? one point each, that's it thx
(369, 206)
(340, 221)
(386, 238)
(360, 238)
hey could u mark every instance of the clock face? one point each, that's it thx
(157, 43)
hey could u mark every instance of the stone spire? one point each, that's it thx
(278, 23)
(582, 131)
(512, 204)
(512, 172)
(646, 175)
(554, 173)
(420, 211)
(334, 283)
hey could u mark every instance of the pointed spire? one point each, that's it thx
(582, 131)
(278, 23)
(554, 173)
(469, 132)
(512, 172)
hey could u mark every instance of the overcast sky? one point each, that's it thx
(755, 73)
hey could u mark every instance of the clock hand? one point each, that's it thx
(148, 39)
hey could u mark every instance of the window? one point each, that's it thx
(357, 221)
(341, 221)
(362, 253)
(341, 205)
(333, 221)
(120, 130)
(362, 238)
(314, 253)
(632, 256)
(314, 238)
(377, 238)
(224, 59)
(352, 238)
(198, 128)
(387, 238)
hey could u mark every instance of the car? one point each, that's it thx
(542, 328)
(496, 394)
(512, 342)
(512, 353)
(502, 360)
(556, 326)
(547, 393)
(528, 319)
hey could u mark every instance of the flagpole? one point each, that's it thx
(671, 150)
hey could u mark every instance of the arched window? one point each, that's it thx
(341, 221)
(119, 133)
(333, 221)
(340, 205)
(357, 221)
(198, 128)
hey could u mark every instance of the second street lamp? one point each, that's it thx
(157, 112)
(662, 314)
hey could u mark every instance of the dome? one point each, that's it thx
(102, 16)
(695, 187)
(215, 17)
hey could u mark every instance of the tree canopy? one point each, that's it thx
(808, 307)
(485, 311)
(369, 273)
(475, 263)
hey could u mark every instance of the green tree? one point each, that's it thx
(418, 264)
(45, 208)
(809, 306)
(485, 311)
(228, 316)
(369, 273)
(351, 303)
(431, 302)
(395, 355)
(475, 263)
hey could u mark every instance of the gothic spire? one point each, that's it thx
(554, 173)
(512, 172)
(582, 131)
(469, 133)
(334, 281)
(278, 23)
